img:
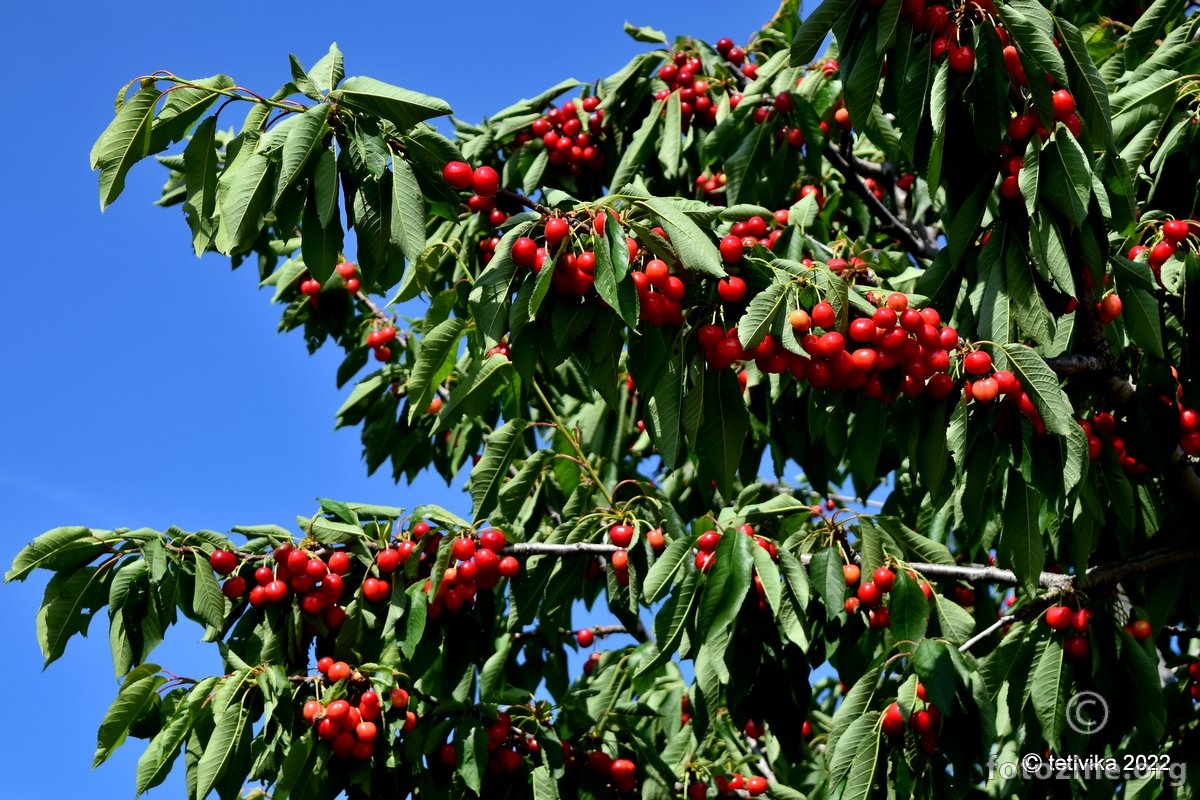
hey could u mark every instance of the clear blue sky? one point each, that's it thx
(145, 387)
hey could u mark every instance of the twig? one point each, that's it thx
(918, 247)
(544, 549)
(995, 626)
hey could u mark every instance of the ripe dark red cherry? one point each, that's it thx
(869, 594)
(234, 588)
(458, 174)
(731, 249)
(1058, 618)
(823, 315)
(977, 362)
(621, 535)
(223, 562)
(731, 289)
(524, 252)
(893, 720)
(339, 562)
(756, 785)
(509, 566)
(885, 579)
(557, 229)
(1175, 230)
(492, 539)
(388, 561)
(962, 59)
(1064, 104)
(276, 591)
(463, 548)
(485, 181)
(585, 637)
(376, 590)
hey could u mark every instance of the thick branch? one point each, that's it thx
(914, 244)
(543, 549)
(1106, 575)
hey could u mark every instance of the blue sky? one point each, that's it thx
(149, 388)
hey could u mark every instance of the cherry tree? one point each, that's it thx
(948, 260)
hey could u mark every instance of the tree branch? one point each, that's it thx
(917, 246)
(544, 549)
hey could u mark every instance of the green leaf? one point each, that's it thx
(861, 782)
(503, 445)
(305, 136)
(908, 610)
(434, 363)
(1148, 711)
(856, 703)
(645, 34)
(768, 573)
(242, 194)
(328, 72)
(1021, 540)
(184, 105)
(695, 248)
(200, 160)
(1069, 179)
(825, 570)
(661, 574)
(672, 138)
(471, 396)
(156, 761)
(124, 142)
(1149, 28)
(1091, 95)
(68, 605)
(473, 762)
(321, 245)
(921, 548)
(207, 599)
(1049, 690)
(219, 751)
(934, 665)
(1042, 385)
(635, 153)
(135, 696)
(760, 314)
(490, 298)
(726, 584)
(295, 767)
(55, 549)
(1031, 28)
(402, 107)
(812, 32)
(938, 103)
(723, 427)
(957, 625)
(1141, 314)
(545, 787)
(841, 755)
(408, 210)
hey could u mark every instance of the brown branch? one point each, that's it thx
(544, 549)
(917, 246)
(1106, 575)
(525, 201)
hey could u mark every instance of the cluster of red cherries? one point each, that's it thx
(1174, 237)
(682, 75)
(571, 134)
(476, 564)
(707, 542)
(311, 287)
(924, 722)
(317, 582)
(507, 747)
(483, 182)
(350, 724)
(1078, 643)
(869, 596)
(729, 786)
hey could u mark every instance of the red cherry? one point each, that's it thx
(223, 562)
(492, 539)
(586, 637)
(234, 588)
(1110, 308)
(338, 671)
(1080, 619)
(524, 252)
(485, 181)
(376, 590)
(276, 591)
(731, 289)
(893, 720)
(1058, 618)
(824, 315)
(388, 561)
(869, 594)
(756, 785)
(978, 362)
(1175, 230)
(339, 562)
(710, 335)
(1141, 629)
(463, 548)
(985, 391)
(557, 229)
(732, 250)
(621, 535)
(509, 567)
(458, 174)
(399, 698)
(657, 273)
(885, 579)
(1064, 104)
(962, 59)
(1078, 646)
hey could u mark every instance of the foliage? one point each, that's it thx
(913, 265)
